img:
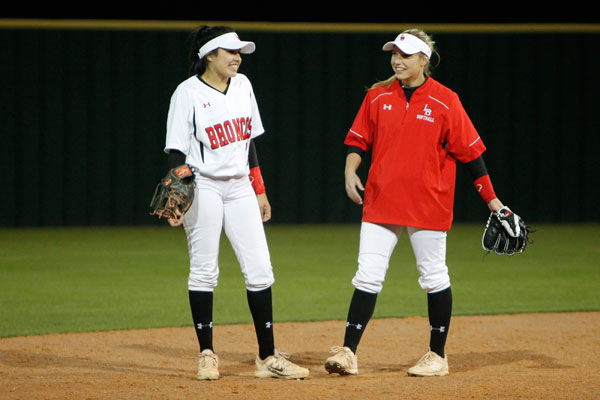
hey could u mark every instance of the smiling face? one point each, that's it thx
(222, 65)
(409, 68)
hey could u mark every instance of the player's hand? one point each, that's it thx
(176, 221)
(353, 185)
(264, 206)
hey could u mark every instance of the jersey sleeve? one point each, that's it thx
(179, 122)
(257, 125)
(361, 132)
(463, 140)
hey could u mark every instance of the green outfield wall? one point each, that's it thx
(84, 106)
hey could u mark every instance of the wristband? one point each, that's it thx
(485, 188)
(257, 181)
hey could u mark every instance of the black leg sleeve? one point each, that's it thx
(261, 308)
(439, 306)
(201, 304)
(361, 310)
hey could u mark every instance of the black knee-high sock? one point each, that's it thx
(439, 306)
(261, 308)
(201, 304)
(361, 309)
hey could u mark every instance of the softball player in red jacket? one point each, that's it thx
(416, 129)
(212, 122)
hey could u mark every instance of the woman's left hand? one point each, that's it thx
(264, 206)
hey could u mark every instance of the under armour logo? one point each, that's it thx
(441, 329)
(387, 106)
(357, 326)
(268, 325)
(206, 105)
(200, 325)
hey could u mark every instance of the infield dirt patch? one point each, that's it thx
(526, 356)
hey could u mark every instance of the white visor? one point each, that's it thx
(228, 41)
(408, 44)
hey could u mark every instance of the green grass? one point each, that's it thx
(90, 279)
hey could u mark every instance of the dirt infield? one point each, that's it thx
(530, 356)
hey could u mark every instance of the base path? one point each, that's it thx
(525, 356)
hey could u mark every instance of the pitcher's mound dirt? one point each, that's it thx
(529, 356)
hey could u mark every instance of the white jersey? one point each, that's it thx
(214, 129)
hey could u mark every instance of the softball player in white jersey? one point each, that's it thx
(212, 120)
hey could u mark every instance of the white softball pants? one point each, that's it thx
(377, 242)
(232, 205)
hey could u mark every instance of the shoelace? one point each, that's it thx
(280, 360)
(209, 360)
(428, 359)
(336, 349)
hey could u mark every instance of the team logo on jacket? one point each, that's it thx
(426, 116)
(228, 132)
